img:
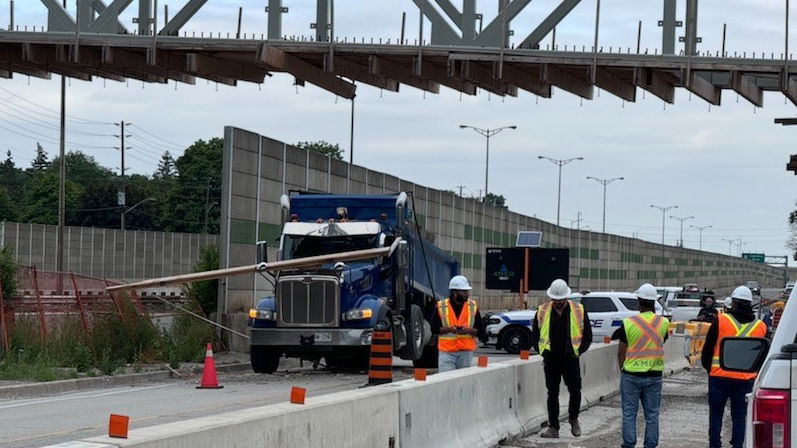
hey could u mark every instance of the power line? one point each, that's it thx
(157, 137)
(75, 118)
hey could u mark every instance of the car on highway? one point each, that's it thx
(683, 306)
(511, 330)
(754, 286)
(772, 405)
(787, 290)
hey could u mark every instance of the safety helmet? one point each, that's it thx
(459, 283)
(559, 290)
(728, 303)
(742, 293)
(647, 292)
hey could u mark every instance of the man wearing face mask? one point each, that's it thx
(457, 323)
(561, 332)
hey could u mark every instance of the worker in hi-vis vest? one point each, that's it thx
(561, 332)
(641, 359)
(738, 322)
(457, 324)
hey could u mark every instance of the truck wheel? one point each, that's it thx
(264, 359)
(516, 339)
(428, 359)
(415, 334)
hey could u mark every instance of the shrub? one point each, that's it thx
(206, 292)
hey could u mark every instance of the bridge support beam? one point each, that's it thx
(323, 21)
(382, 67)
(615, 85)
(284, 62)
(703, 88)
(360, 73)
(568, 81)
(655, 84)
(442, 75)
(485, 78)
(747, 88)
(668, 25)
(201, 65)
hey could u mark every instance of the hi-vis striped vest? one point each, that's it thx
(729, 327)
(645, 334)
(452, 342)
(543, 317)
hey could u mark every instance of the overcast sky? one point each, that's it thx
(724, 165)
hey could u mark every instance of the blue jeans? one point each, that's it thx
(719, 391)
(634, 389)
(447, 361)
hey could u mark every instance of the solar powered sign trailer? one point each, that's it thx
(523, 269)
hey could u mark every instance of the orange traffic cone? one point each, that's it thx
(209, 379)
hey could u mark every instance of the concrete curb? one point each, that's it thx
(74, 385)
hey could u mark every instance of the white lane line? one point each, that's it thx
(81, 396)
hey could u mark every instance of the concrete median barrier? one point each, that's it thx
(473, 407)
(476, 407)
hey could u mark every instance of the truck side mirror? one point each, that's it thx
(743, 354)
(403, 254)
(262, 252)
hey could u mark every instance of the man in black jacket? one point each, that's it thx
(561, 332)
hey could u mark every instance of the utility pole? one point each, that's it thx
(577, 221)
(730, 242)
(487, 133)
(700, 230)
(560, 163)
(59, 257)
(461, 187)
(121, 198)
(604, 182)
(681, 241)
(663, 214)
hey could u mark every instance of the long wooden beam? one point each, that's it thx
(298, 263)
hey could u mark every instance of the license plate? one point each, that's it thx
(323, 337)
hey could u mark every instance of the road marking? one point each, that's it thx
(80, 396)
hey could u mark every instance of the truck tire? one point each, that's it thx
(415, 335)
(428, 359)
(264, 359)
(515, 338)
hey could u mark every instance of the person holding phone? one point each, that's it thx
(457, 325)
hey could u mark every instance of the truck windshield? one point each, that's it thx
(295, 246)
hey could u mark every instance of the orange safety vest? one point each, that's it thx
(729, 327)
(452, 342)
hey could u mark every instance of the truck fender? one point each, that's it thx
(268, 303)
(380, 310)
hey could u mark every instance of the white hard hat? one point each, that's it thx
(459, 283)
(742, 293)
(647, 292)
(559, 290)
(728, 303)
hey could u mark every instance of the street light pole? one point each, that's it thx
(730, 242)
(128, 210)
(604, 182)
(700, 230)
(487, 133)
(681, 242)
(663, 214)
(560, 163)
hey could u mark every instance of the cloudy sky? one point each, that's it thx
(724, 165)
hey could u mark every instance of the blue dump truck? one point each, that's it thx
(330, 311)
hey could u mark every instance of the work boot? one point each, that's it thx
(550, 433)
(575, 428)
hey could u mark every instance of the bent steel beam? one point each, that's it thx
(172, 28)
(547, 25)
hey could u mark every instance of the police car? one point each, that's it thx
(511, 331)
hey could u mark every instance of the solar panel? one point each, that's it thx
(526, 238)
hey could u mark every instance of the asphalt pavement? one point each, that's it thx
(683, 421)
(41, 421)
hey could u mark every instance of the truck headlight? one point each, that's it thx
(358, 314)
(262, 314)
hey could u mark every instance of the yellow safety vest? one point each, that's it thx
(645, 334)
(543, 317)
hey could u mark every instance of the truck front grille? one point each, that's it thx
(308, 301)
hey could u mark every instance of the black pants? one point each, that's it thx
(557, 368)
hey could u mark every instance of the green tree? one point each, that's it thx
(322, 147)
(8, 211)
(496, 200)
(40, 163)
(98, 195)
(206, 292)
(197, 189)
(166, 168)
(40, 201)
(8, 270)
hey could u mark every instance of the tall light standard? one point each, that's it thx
(730, 242)
(487, 133)
(663, 214)
(604, 182)
(682, 219)
(560, 163)
(700, 229)
(126, 210)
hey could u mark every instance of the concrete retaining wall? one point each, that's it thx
(476, 407)
(257, 170)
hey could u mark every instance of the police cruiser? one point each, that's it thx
(511, 330)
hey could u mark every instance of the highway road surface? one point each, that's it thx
(65, 417)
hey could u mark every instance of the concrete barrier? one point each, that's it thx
(473, 408)
(676, 354)
(476, 407)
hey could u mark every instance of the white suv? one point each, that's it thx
(772, 406)
(511, 330)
